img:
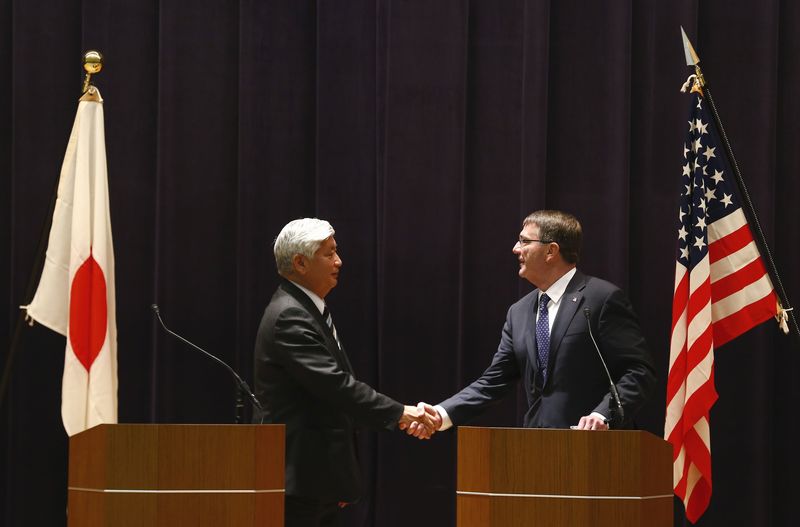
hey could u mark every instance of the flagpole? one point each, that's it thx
(92, 64)
(693, 60)
(21, 322)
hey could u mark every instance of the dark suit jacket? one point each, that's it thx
(576, 384)
(305, 381)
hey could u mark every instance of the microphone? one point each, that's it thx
(618, 413)
(241, 385)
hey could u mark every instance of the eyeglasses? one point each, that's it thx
(524, 241)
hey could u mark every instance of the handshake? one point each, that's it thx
(421, 421)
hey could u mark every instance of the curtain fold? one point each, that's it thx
(425, 132)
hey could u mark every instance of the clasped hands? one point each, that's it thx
(421, 421)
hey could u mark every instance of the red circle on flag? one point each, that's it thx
(88, 312)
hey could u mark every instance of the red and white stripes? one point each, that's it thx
(725, 294)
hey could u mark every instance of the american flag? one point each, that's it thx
(722, 289)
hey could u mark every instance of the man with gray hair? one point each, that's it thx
(304, 379)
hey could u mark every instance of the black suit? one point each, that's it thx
(576, 383)
(304, 380)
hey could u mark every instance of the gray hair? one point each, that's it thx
(302, 236)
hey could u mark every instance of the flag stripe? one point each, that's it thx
(730, 244)
(734, 325)
(734, 282)
(742, 299)
(678, 465)
(733, 262)
(726, 225)
(698, 443)
(699, 402)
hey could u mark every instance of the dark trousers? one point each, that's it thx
(308, 512)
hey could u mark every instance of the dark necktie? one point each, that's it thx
(543, 335)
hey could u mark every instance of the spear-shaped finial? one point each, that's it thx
(692, 60)
(691, 56)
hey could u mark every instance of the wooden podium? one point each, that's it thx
(524, 476)
(159, 475)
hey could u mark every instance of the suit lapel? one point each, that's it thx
(304, 300)
(308, 304)
(570, 301)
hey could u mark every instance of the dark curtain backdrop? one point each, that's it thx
(424, 131)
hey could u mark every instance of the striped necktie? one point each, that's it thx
(326, 314)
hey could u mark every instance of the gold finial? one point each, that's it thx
(92, 64)
(693, 60)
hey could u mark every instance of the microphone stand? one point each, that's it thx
(617, 414)
(241, 386)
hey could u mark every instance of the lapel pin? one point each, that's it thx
(574, 298)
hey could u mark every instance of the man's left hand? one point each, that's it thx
(592, 422)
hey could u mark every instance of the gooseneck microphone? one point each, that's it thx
(618, 413)
(242, 386)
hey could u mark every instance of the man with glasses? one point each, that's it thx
(546, 341)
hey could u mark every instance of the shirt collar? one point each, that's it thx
(559, 287)
(320, 303)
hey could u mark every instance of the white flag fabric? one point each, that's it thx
(75, 296)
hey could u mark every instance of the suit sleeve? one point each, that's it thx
(306, 356)
(621, 341)
(492, 386)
